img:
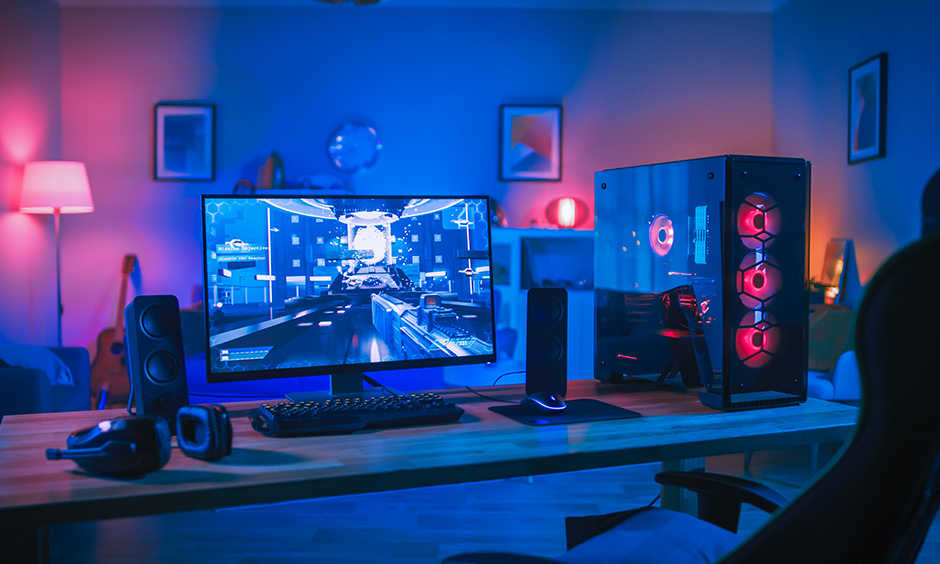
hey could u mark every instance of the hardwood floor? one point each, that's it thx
(418, 526)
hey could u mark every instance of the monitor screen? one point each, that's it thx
(345, 284)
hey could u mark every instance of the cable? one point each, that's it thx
(378, 385)
(507, 374)
(472, 391)
(130, 397)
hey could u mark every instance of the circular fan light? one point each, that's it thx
(757, 339)
(661, 235)
(759, 280)
(758, 221)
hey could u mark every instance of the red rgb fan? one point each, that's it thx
(758, 221)
(759, 280)
(757, 339)
(661, 235)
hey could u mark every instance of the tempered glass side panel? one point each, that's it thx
(657, 227)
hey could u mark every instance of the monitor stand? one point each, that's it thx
(343, 386)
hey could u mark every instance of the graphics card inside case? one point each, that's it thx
(700, 270)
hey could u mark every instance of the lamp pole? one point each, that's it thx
(58, 275)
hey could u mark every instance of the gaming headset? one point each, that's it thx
(128, 447)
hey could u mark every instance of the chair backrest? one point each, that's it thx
(877, 500)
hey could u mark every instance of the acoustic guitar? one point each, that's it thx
(110, 382)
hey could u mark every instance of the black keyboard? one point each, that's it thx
(285, 419)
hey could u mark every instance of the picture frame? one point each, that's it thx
(530, 142)
(184, 141)
(868, 93)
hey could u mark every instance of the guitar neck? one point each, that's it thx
(126, 269)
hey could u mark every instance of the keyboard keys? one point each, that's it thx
(344, 415)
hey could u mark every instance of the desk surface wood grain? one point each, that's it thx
(481, 446)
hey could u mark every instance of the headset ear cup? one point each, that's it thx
(204, 432)
(224, 430)
(146, 439)
(164, 440)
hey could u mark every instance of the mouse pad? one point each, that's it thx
(579, 411)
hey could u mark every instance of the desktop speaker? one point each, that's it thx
(155, 356)
(546, 348)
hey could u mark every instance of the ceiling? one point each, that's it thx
(746, 6)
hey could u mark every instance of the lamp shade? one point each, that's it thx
(55, 185)
(567, 212)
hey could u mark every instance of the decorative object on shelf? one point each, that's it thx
(529, 142)
(839, 278)
(868, 108)
(497, 214)
(271, 174)
(56, 187)
(184, 141)
(567, 212)
(322, 181)
(354, 146)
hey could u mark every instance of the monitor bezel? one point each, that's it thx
(340, 369)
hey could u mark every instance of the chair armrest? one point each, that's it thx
(720, 497)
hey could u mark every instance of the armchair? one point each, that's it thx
(36, 379)
(876, 502)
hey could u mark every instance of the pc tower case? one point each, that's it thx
(700, 269)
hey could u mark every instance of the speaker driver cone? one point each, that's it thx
(161, 367)
(157, 322)
(547, 350)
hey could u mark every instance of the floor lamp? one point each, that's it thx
(56, 187)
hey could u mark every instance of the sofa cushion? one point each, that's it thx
(39, 358)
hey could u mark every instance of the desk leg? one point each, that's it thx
(25, 544)
(680, 499)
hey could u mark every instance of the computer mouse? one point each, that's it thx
(544, 403)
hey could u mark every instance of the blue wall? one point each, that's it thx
(877, 202)
(637, 87)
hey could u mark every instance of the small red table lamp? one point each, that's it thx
(56, 187)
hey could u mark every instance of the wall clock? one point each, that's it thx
(354, 146)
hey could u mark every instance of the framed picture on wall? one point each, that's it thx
(184, 141)
(868, 91)
(529, 143)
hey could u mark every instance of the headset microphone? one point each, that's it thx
(110, 448)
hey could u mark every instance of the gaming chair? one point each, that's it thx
(875, 502)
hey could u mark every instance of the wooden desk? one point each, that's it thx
(36, 493)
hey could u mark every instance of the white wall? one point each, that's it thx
(30, 129)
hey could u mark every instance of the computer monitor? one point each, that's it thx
(344, 285)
